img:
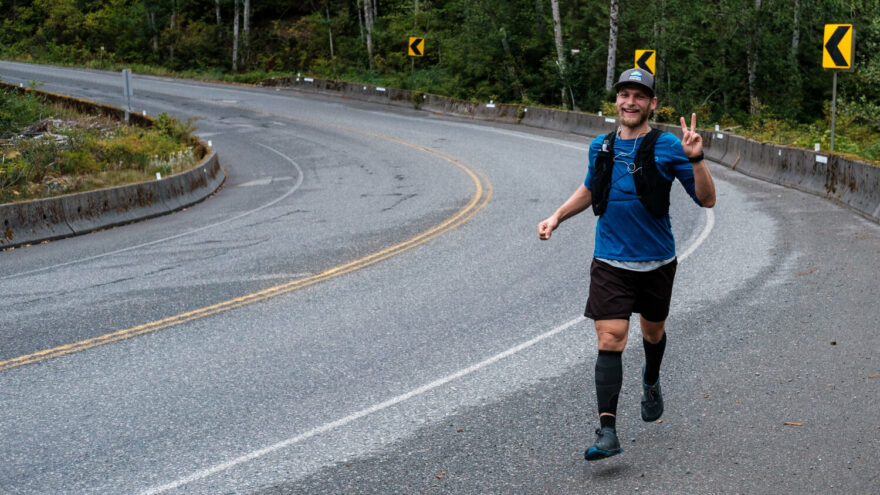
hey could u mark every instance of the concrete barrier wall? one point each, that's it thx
(31, 222)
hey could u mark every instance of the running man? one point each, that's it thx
(629, 178)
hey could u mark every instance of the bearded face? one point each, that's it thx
(634, 106)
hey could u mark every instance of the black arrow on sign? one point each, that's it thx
(831, 46)
(642, 62)
(415, 46)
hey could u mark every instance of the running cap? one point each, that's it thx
(639, 77)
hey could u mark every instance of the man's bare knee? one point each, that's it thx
(611, 334)
(653, 331)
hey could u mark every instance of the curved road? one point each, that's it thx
(364, 307)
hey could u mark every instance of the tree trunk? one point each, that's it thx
(246, 42)
(560, 54)
(235, 37)
(357, 4)
(612, 47)
(659, 36)
(173, 27)
(752, 61)
(539, 21)
(329, 27)
(368, 20)
(151, 16)
(219, 23)
(795, 34)
(511, 68)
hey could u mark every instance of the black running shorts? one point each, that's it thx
(615, 293)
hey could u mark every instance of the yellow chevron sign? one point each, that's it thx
(647, 60)
(416, 47)
(838, 46)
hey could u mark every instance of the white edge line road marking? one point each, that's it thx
(707, 229)
(290, 191)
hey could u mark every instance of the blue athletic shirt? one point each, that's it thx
(627, 231)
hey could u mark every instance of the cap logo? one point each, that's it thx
(635, 76)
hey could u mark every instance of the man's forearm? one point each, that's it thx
(704, 185)
(579, 201)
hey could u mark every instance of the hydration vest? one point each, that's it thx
(651, 187)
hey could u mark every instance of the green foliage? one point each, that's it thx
(417, 99)
(77, 162)
(41, 155)
(665, 114)
(608, 108)
(94, 154)
(851, 136)
(172, 128)
(16, 112)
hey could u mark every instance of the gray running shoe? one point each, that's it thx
(606, 445)
(652, 400)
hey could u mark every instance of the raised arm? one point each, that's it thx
(579, 201)
(692, 145)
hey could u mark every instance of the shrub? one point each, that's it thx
(173, 128)
(78, 162)
(665, 114)
(608, 108)
(17, 112)
(39, 156)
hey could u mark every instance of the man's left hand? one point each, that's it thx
(691, 141)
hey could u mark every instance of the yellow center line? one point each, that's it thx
(481, 197)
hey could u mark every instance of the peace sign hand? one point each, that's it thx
(691, 141)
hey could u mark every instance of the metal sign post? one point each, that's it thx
(838, 50)
(416, 49)
(833, 108)
(127, 91)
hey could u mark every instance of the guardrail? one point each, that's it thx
(30, 222)
(849, 182)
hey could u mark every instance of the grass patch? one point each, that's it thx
(853, 139)
(48, 150)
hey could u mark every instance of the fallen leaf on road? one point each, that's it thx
(792, 423)
(875, 375)
(808, 272)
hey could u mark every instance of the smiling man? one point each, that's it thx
(629, 178)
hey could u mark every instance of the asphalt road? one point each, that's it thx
(364, 307)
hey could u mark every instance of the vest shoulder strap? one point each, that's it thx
(652, 188)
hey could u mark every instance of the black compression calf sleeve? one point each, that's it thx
(653, 358)
(609, 379)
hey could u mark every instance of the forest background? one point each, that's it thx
(751, 65)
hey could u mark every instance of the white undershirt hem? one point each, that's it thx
(637, 266)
